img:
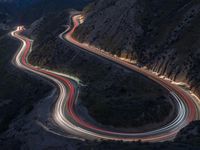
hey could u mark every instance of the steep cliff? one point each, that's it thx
(164, 35)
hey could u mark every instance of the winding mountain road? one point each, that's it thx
(64, 113)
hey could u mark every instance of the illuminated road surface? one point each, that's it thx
(187, 109)
(64, 114)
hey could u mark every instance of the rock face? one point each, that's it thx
(164, 35)
(190, 134)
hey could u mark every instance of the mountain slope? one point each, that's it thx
(163, 35)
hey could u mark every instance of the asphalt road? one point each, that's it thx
(64, 113)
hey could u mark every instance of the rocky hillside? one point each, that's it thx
(163, 35)
(190, 134)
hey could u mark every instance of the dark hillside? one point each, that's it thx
(163, 35)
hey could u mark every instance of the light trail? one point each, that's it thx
(187, 109)
(68, 120)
